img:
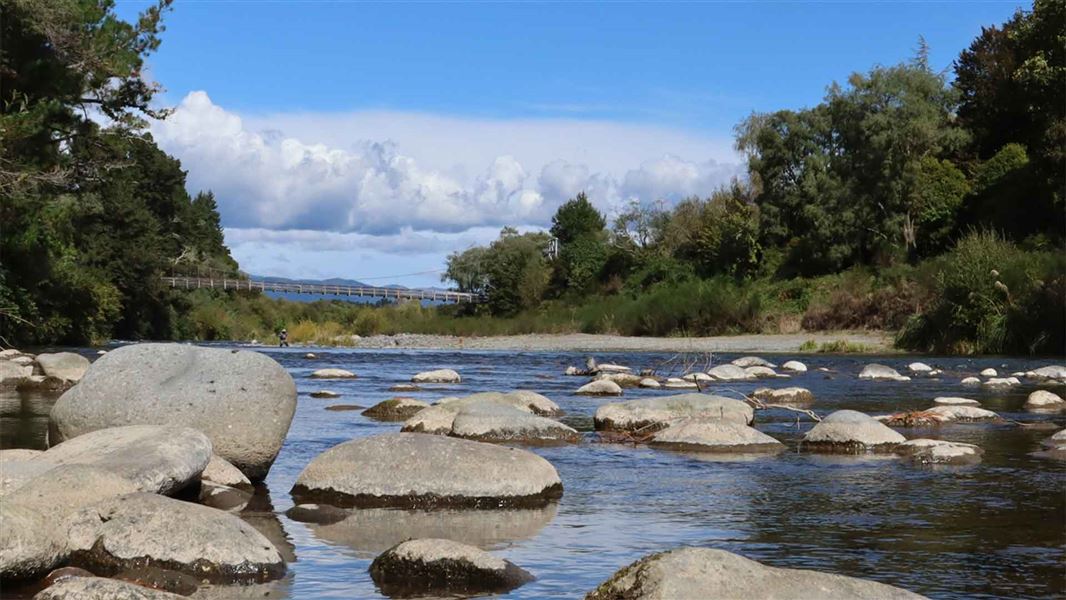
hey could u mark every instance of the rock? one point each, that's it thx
(919, 367)
(534, 402)
(574, 371)
(730, 373)
(609, 368)
(67, 366)
(224, 497)
(1001, 382)
(1051, 372)
(43, 383)
(970, 381)
(243, 401)
(762, 372)
(66, 489)
(405, 387)
(1057, 441)
(952, 401)
(416, 470)
(675, 383)
(622, 379)
(600, 387)
(163, 580)
(752, 361)
(443, 567)
(324, 394)
(19, 454)
(438, 418)
(395, 409)
(333, 374)
(160, 460)
(16, 473)
(697, 377)
(649, 383)
(851, 431)
(435, 419)
(1044, 400)
(504, 424)
(437, 376)
(30, 542)
(100, 588)
(23, 361)
(345, 407)
(790, 395)
(147, 530)
(700, 573)
(10, 353)
(322, 514)
(714, 435)
(795, 365)
(963, 413)
(990, 372)
(11, 374)
(310, 356)
(939, 452)
(64, 573)
(876, 371)
(658, 412)
(222, 473)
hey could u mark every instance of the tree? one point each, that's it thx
(575, 219)
(518, 271)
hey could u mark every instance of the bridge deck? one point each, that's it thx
(190, 283)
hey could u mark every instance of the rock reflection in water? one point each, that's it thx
(24, 418)
(259, 513)
(371, 531)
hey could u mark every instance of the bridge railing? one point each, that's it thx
(189, 283)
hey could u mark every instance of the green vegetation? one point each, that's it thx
(834, 347)
(907, 200)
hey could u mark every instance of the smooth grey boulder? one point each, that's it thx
(1043, 400)
(1057, 372)
(676, 383)
(795, 366)
(30, 542)
(395, 409)
(955, 401)
(703, 573)
(714, 435)
(504, 424)
(789, 395)
(443, 567)
(19, 454)
(939, 452)
(649, 383)
(659, 412)
(243, 401)
(962, 413)
(730, 373)
(437, 376)
(66, 489)
(919, 367)
(9, 353)
(436, 419)
(622, 379)
(148, 530)
(881, 372)
(970, 381)
(417, 470)
(156, 459)
(219, 471)
(67, 366)
(521, 399)
(753, 361)
(609, 368)
(763, 372)
(697, 377)
(989, 372)
(100, 588)
(331, 373)
(851, 431)
(12, 374)
(1054, 447)
(600, 387)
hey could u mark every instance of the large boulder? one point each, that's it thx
(395, 409)
(1056, 372)
(622, 379)
(796, 396)
(701, 573)
(416, 470)
(1001, 383)
(12, 374)
(443, 567)
(851, 431)
(439, 417)
(714, 435)
(752, 361)
(66, 489)
(504, 424)
(66, 366)
(659, 412)
(600, 387)
(881, 372)
(926, 451)
(243, 401)
(437, 376)
(100, 588)
(1043, 400)
(730, 373)
(160, 460)
(148, 530)
(436, 419)
(31, 543)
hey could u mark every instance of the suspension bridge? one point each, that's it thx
(322, 289)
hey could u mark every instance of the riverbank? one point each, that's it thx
(876, 342)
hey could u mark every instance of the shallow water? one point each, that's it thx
(993, 530)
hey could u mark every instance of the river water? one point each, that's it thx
(993, 530)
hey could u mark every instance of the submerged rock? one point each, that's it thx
(601, 387)
(953, 401)
(927, 451)
(851, 431)
(790, 395)
(504, 424)
(443, 567)
(324, 394)
(697, 377)
(242, 401)
(437, 376)
(147, 530)
(395, 409)
(881, 372)
(1043, 400)
(714, 435)
(332, 373)
(610, 368)
(345, 407)
(405, 387)
(1054, 447)
(701, 573)
(676, 383)
(1002, 382)
(416, 470)
(659, 412)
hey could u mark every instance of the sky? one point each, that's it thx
(370, 140)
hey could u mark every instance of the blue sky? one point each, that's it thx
(359, 139)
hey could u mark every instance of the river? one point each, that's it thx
(993, 530)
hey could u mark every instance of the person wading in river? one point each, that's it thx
(283, 338)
